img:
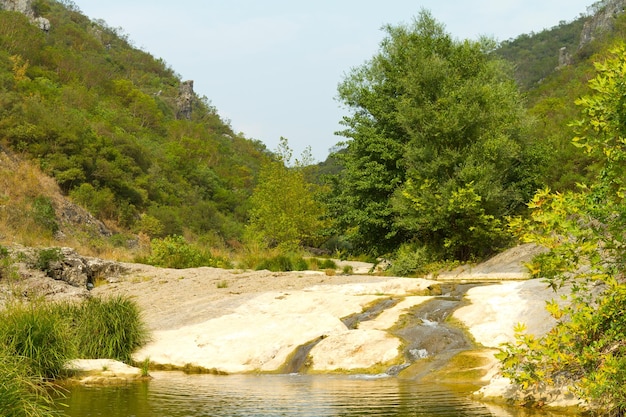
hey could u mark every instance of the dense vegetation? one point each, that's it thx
(584, 232)
(444, 142)
(438, 151)
(102, 119)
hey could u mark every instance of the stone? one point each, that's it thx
(185, 99)
(262, 333)
(103, 372)
(601, 21)
(26, 8)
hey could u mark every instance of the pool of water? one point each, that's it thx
(174, 394)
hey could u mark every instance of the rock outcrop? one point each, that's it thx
(184, 102)
(26, 8)
(66, 265)
(103, 372)
(262, 333)
(602, 20)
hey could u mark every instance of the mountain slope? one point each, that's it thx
(118, 130)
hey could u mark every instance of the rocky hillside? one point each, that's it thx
(118, 130)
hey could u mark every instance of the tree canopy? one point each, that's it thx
(436, 150)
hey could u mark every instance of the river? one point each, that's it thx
(175, 394)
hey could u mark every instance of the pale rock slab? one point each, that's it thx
(264, 331)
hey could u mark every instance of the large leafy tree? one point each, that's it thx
(584, 234)
(435, 150)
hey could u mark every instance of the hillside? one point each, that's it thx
(553, 68)
(124, 137)
(118, 130)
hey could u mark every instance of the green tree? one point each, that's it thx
(436, 149)
(584, 234)
(284, 211)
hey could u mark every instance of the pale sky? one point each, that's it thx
(271, 67)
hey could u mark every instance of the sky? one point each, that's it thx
(271, 67)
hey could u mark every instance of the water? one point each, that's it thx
(174, 394)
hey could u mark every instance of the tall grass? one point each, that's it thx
(38, 334)
(38, 339)
(20, 394)
(109, 328)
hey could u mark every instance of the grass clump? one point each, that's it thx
(110, 328)
(40, 335)
(38, 339)
(283, 263)
(46, 257)
(21, 395)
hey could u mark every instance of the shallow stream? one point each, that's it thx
(429, 343)
(175, 394)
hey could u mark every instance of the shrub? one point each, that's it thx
(175, 252)
(283, 263)
(45, 257)
(43, 214)
(409, 260)
(328, 264)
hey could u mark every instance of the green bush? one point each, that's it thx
(108, 328)
(283, 263)
(175, 252)
(410, 260)
(328, 264)
(45, 257)
(44, 215)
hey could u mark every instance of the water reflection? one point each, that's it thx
(177, 395)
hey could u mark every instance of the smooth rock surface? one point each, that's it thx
(264, 331)
(103, 372)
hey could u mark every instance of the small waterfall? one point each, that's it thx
(298, 360)
(353, 320)
(429, 341)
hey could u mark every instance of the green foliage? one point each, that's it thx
(20, 394)
(38, 339)
(584, 232)
(38, 334)
(44, 215)
(317, 264)
(109, 328)
(175, 252)
(437, 151)
(535, 56)
(44, 258)
(100, 117)
(283, 263)
(284, 211)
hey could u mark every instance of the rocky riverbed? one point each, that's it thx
(232, 321)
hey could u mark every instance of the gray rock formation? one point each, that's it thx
(184, 102)
(80, 271)
(565, 58)
(601, 20)
(26, 8)
(65, 265)
(23, 6)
